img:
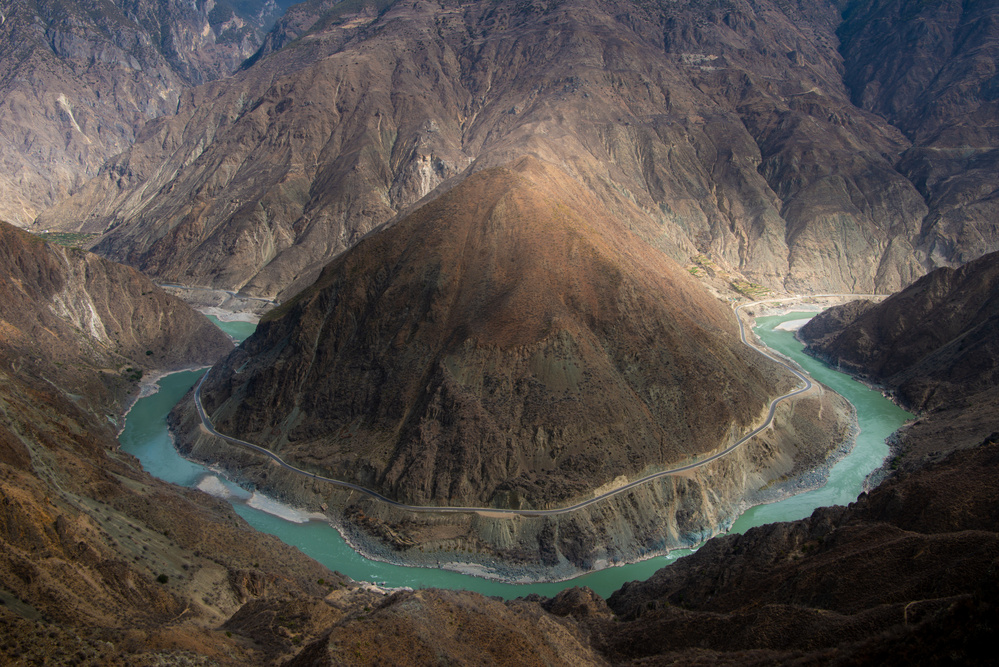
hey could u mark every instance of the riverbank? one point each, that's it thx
(149, 386)
(227, 306)
(223, 315)
(804, 304)
(341, 548)
(384, 534)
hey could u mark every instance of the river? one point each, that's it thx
(145, 435)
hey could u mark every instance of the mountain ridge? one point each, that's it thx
(78, 79)
(510, 344)
(694, 123)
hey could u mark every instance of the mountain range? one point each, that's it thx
(102, 564)
(505, 237)
(511, 344)
(79, 78)
(758, 134)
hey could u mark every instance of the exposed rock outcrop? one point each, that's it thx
(432, 626)
(726, 131)
(934, 343)
(79, 78)
(511, 345)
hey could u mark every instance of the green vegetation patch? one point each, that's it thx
(750, 290)
(69, 239)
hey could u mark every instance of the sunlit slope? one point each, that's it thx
(510, 343)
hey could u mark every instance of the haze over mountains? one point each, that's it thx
(759, 134)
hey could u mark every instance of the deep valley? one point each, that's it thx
(499, 251)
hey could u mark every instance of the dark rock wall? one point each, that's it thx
(935, 343)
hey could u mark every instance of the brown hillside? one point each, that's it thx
(721, 130)
(92, 326)
(509, 343)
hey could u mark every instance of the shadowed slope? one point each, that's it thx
(936, 342)
(508, 343)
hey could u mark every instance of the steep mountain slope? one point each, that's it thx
(722, 130)
(79, 77)
(520, 313)
(905, 575)
(511, 344)
(929, 68)
(935, 344)
(100, 563)
(100, 323)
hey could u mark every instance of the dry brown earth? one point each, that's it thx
(511, 344)
(727, 130)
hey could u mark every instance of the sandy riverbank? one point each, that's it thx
(224, 315)
(792, 325)
(225, 305)
(148, 386)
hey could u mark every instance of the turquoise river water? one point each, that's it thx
(146, 436)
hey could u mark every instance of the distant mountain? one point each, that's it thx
(78, 78)
(929, 69)
(728, 130)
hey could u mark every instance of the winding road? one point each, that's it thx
(503, 512)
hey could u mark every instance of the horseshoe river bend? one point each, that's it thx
(145, 435)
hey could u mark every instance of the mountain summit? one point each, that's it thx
(509, 339)
(511, 344)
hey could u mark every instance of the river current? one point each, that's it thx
(145, 435)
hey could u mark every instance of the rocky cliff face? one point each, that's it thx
(99, 562)
(79, 78)
(511, 344)
(935, 345)
(929, 69)
(728, 131)
(64, 307)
